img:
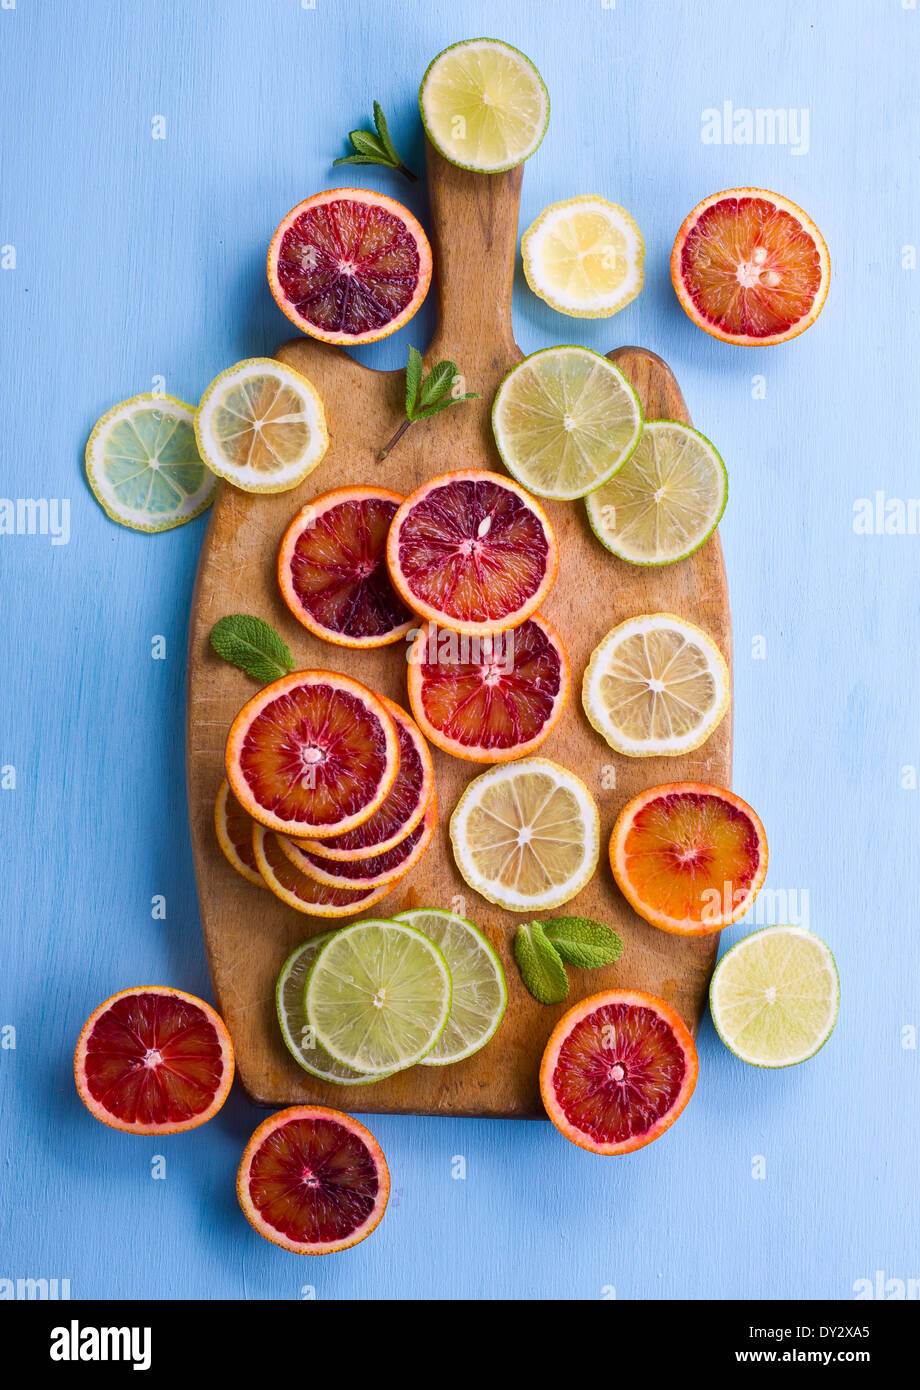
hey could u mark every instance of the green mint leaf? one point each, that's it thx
(253, 645)
(438, 406)
(365, 143)
(439, 380)
(413, 380)
(540, 964)
(383, 130)
(582, 942)
(356, 159)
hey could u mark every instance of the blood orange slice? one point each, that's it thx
(473, 551)
(302, 893)
(313, 1180)
(617, 1071)
(349, 265)
(234, 834)
(688, 857)
(751, 267)
(489, 699)
(153, 1060)
(312, 754)
(332, 568)
(375, 871)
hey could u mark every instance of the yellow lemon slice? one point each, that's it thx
(584, 257)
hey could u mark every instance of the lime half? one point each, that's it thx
(299, 1038)
(774, 996)
(484, 105)
(378, 995)
(479, 990)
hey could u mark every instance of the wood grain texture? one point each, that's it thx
(247, 932)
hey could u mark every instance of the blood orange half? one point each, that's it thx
(375, 871)
(489, 699)
(617, 1071)
(302, 893)
(473, 551)
(750, 267)
(153, 1060)
(332, 568)
(349, 265)
(313, 1180)
(234, 834)
(690, 858)
(312, 754)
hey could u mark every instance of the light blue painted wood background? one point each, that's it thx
(137, 258)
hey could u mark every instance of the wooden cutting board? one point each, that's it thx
(248, 933)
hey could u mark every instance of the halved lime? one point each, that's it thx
(774, 996)
(378, 995)
(665, 501)
(142, 462)
(484, 106)
(565, 420)
(479, 990)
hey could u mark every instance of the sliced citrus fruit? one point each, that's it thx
(142, 462)
(302, 893)
(565, 419)
(479, 993)
(665, 501)
(153, 1060)
(376, 870)
(690, 858)
(484, 106)
(750, 267)
(313, 1180)
(332, 568)
(234, 834)
(404, 806)
(617, 1071)
(774, 996)
(312, 754)
(261, 425)
(656, 686)
(473, 551)
(349, 265)
(378, 995)
(584, 257)
(295, 1030)
(489, 699)
(526, 835)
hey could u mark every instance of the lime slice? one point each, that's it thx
(299, 1039)
(143, 464)
(484, 105)
(378, 995)
(665, 501)
(565, 419)
(479, 990)
(584, 257)
(774, 996)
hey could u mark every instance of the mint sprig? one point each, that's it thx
(540, 964)
(253, 645)
(543, 949)
(584, 943)
(428, 396)
(375, 149)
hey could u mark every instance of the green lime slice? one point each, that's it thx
(484, 105)
(479, 990)
(299, 1038)
(142, 462)
(774, 996)
(378, 995)
(665, 501)
(565, 420)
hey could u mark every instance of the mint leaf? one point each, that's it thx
(438, 406)
(413, 379)
(365, 143)
(383, 130)
(376, 149)
(439, 380)
(582, 942)
(253, 645)
(540, 965)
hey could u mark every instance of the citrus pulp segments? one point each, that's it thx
(143, 464)
(233, 827)
(484, 106)
(656, 686)
(378, 995)
(261, 426)
(302, 893)
(313, 754)
(292, 1020)
(375, 871)
(666, 500)
(332, 568)
(349, 266)
(163, 1056)
(479, 993)
(584, 257)
(775, 995)
(501, 702)
(565, 419)
(617, 1071)
(338, 1205)
(526, 835)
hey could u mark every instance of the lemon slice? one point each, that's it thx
(142, 462)
(526, 835)
(585, 257)
(655, 686)
(261, 426)
(774, 996)
(565, 419)
(483, 105)
(665, 501)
